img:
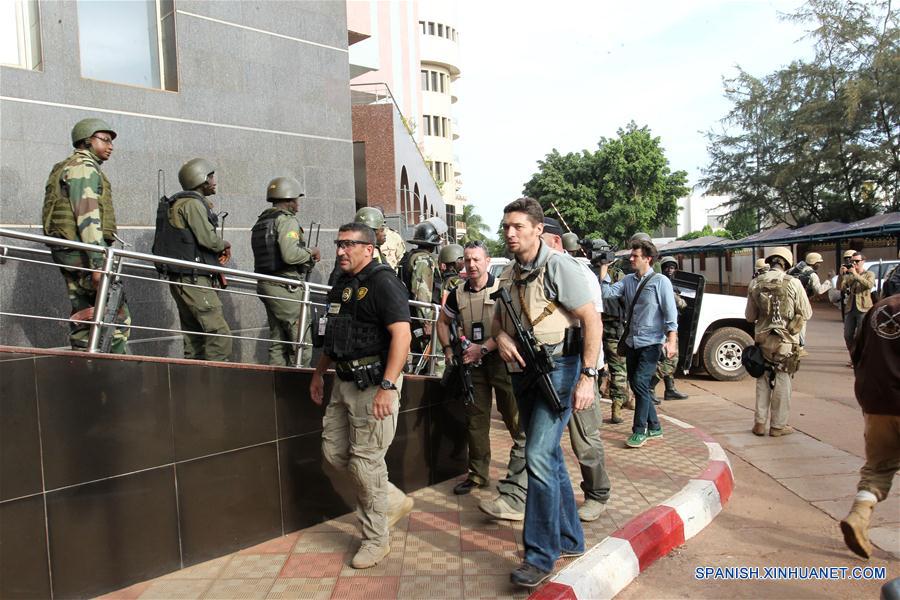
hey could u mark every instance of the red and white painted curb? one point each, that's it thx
(604, 570)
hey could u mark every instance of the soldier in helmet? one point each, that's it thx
(760, 267)
(779, 309)
(390, 243)
(419, 273)
(570, 243)
(807, 272)
(279, 249)
(78, 207)
(665, 370)
(186, 230)
(451, 265)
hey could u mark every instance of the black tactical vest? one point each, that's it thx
(346, 338)
(178, 243)
(264, 242)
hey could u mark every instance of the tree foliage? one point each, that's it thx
(476, 228)
(623, 187)
(818, 140)
(707, 230)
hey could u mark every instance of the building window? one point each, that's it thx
(128, 42)
(443, 83)
(426, 121)
(424, 80)
(434, 81)
(440, 30)
(422, 23)
(430, 28)
(20, 34)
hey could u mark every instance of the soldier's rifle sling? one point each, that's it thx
(464, 371)
(537, 361)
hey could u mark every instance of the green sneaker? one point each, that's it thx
(636, 440)
(654, 433)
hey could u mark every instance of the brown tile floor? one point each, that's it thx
(446, 548)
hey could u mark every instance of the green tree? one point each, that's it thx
(624, 186)
(817, 140)
(474, 224)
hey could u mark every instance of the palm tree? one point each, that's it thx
(475, 226)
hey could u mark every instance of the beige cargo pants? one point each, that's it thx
(777, 399)
(354, 444)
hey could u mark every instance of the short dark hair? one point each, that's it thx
(526, 205)
(859, 254)
(367, 233)
(646, 247)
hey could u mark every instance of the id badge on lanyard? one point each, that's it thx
(478, 332)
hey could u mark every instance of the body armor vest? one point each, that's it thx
(546, 319)
(405, 273)
(477, 307)
(803, 272)
(57, 215)
(346, 338)
(264, 243)
(178, 243)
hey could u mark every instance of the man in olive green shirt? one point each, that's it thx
(186, 230)
(279, 249)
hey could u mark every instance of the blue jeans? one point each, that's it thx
(641, 365)
(551, 518)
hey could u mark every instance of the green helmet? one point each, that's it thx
(450, 254)
(666, 260)
(283, 188)
(85, 128)
(640, 235)
(369, 216)
(570, 241)
(194, 173)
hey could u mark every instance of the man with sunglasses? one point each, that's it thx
(366, 338)
(78, 207)
(857, 283)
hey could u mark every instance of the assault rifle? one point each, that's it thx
(538, 360)
(459, 373)
(115, 297)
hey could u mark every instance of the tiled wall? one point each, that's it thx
(115, 470)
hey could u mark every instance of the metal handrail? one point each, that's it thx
(111, 269)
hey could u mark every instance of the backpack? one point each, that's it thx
(753, 361)
(803, 272)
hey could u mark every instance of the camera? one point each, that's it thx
(599, 252)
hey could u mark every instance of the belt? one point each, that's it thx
(365, 371)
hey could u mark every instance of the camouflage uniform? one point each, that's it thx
(199, 308)
(613, 328)
(423, 273)
(393, 248)
(78, 207)
(282, 303)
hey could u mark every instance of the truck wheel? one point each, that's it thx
(722, 353)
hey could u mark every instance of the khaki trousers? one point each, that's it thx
(354, 444)
(882, 454)
(777, 399)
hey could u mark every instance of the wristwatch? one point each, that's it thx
(589, 372)
(387, 384)
(485, 351)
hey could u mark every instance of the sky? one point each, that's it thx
(538, 75)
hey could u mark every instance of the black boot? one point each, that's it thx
(653, 382)
(671, 392)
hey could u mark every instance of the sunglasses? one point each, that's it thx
(857, 261)
(474, 244)
(346, 244)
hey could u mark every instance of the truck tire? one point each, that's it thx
(722, 353)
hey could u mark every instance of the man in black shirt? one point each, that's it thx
(367, 339)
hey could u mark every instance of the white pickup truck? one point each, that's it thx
(716, 334)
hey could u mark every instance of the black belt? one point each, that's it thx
(365, 372)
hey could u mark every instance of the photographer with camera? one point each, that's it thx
(856, 283)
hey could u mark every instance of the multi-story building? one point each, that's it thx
(439, 62)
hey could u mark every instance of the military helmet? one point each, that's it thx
(426, 234)
(849, 253)
(761, 264)
(194, 173)
(450, 253)
(813, 258)
(85, 128)
(667, 260)
(439, 224)
(570, 242)
(283, 188)
(640, 235)
(782, 252)
(370, 216)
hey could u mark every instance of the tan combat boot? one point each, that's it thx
(855, 528)
(369, 555)
(781, 431)
(759, 429)
(616, 416)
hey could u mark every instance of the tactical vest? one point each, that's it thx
(475, 306)
(405, 273)
(346, 338)
(264, 243)
(451, 281)
(57, 215)
(803, 272)
(178, 243)
(529, 299)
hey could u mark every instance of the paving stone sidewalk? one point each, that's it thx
(446, 548)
